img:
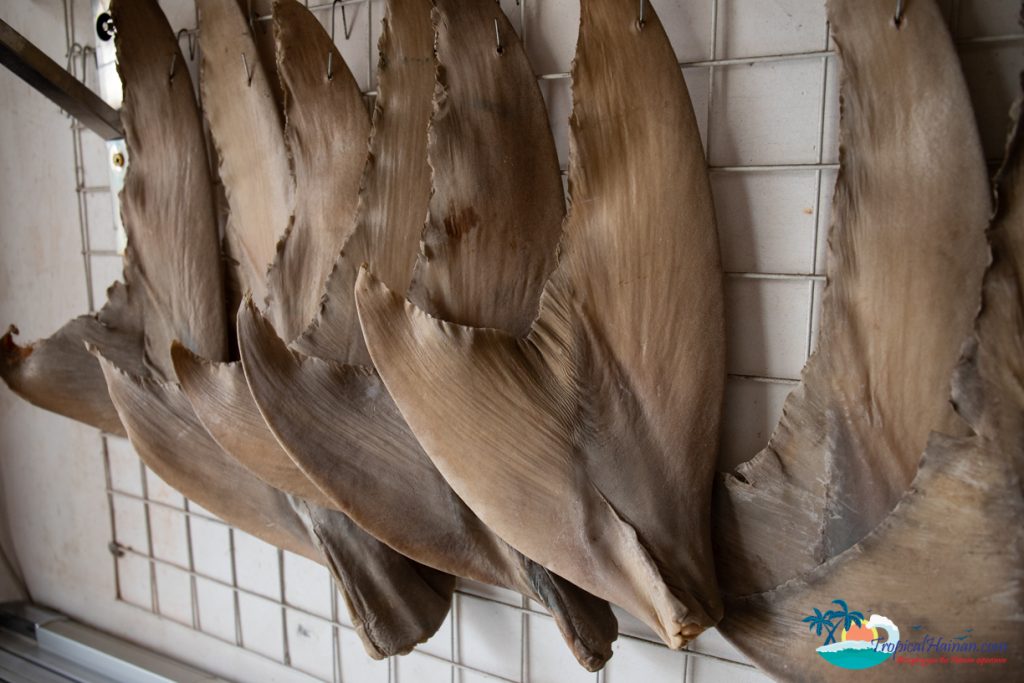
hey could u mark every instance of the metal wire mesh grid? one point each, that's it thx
(179, 562)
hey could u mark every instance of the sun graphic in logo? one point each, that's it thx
(858, 632)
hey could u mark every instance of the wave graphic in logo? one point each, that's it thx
(857, 647)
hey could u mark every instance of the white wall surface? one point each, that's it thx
(763, 112)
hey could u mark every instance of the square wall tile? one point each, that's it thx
(440, 644)
(356, 665)
(712, 642)
(702, 670)
(489, 637)
(100, 213)
(766, 326)
(752, 410)
(170, 540)
(125, 467)
(419, 668)
(630, 625)
(211, 549)
(749, 28)
(257, 565)
(551, 32)
(216, 609)
(310, 644)
(550, 659)
(697, 84)
(766, 220)
(636, 660)
(174, 592)
(134, 581)
(161, 491)
(308, 585)
(262, 626)
(130, 524)
(766, 113)
(830, 120)
(557, 95)
(828, 190)
(106, 270)
(341, 609)
(819, 290)
(688, 25)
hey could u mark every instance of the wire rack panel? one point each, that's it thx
(764, 82)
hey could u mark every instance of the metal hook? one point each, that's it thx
(898, 17)
(642, 21)
(174, 60)
(497, 37)
(191, 42)
(248, 74)
(346, 30)
(252, 27)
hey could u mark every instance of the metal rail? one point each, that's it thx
(45, 75)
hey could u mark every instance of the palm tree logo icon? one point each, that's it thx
(832, 619)
(850, 639)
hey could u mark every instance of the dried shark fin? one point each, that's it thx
(950, 555)
(394, 602)
(167, 201)
(906, 257)
(341, 426)
(388, 222)
(220, 398)
(492, 233)
(626, 356)
(59, 375)
(247, 129)
(326, 129)
(167, 436)
(402, 603)
(172, 269)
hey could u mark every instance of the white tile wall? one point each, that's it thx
(754, 111)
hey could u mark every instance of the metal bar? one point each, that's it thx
(107, 477)
(764, 379)
(811, 295)
(284, 608)
(154, 591)
(67, 92)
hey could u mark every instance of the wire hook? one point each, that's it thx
(348, 34)
(346, 29)
(191, 42)
(898, 17)
(497, 38)
(642, 21)
(174, 61)
(248, 73)
(252, 27)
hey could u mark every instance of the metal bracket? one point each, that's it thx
(45, 75)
